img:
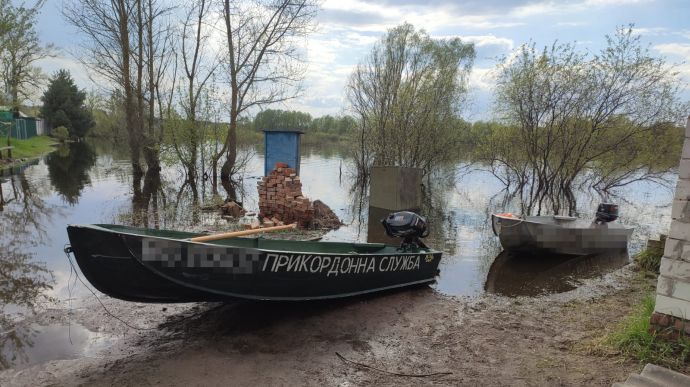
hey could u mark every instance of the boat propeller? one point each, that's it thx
(408, 226)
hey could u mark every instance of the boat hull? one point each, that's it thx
(149, 268)
(532, 237)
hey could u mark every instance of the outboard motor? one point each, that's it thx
(408, 226)
(607, 212)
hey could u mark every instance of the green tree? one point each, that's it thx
(282, 119)
(20, 49)
(573, 119)
(63, 105)
(406, 96)
(336, 125)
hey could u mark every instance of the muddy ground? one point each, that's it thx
(487, 340)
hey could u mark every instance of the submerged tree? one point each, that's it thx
(199, 66)
(576, 120)
(127, 43)
(406, 96)
(263, 60)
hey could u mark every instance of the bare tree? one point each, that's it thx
(263, 62)
(107, 52)
(157, 57)
(199, 67)
(126, 42)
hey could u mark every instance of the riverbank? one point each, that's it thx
(25, 150)
(486, 340)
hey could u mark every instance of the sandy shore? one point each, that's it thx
(486, 340)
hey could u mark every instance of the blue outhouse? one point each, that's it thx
(281, 145)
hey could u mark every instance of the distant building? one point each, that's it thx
(21, 127)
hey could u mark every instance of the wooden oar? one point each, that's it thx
(215, 237)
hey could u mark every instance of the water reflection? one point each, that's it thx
(68, 169)
(520, 275)
(23, 284)
(23, 280)
(43, 343)
(147, 196)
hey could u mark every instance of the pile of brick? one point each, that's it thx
(281, 199)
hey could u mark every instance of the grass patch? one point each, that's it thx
(633, 339)
(649, 259)
(29, 148)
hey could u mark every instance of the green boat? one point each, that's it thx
(148, 265)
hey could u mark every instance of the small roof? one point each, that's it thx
(4, 108)
(283, 130)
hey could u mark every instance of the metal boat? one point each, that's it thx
(562, 234)
(150, 265)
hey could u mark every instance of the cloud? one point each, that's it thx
(552, 7)
(678, 49)
(352, 17)
(681, 50)
(650, 31)
(571, 24)
(489, 40)
(381, 16)
(482, 78)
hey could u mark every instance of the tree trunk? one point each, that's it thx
(151, 153)
(231, 141)
(130, 111)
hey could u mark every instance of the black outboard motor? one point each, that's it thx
(607, 212)
(406, 225)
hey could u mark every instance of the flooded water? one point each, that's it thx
(34, 344)
(89, 183)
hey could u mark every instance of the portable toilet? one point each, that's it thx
(281, 146)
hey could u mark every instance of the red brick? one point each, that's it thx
(679, 324)
(664, 320)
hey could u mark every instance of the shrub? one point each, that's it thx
(61, 133)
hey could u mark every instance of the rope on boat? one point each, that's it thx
(493, 223)
(68, 250)
(513, 225)
(390, 372)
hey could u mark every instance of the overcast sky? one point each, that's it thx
(347, 30)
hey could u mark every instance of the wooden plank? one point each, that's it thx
(233, 234)
(6, 148)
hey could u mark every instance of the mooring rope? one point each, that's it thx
(68, 250)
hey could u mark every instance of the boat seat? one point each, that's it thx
(564, 218)
(367, 247)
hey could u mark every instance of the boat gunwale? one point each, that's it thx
(385, 246)
(555, 225)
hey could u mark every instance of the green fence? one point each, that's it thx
(21, 128)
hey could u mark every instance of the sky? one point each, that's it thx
(346, 31)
